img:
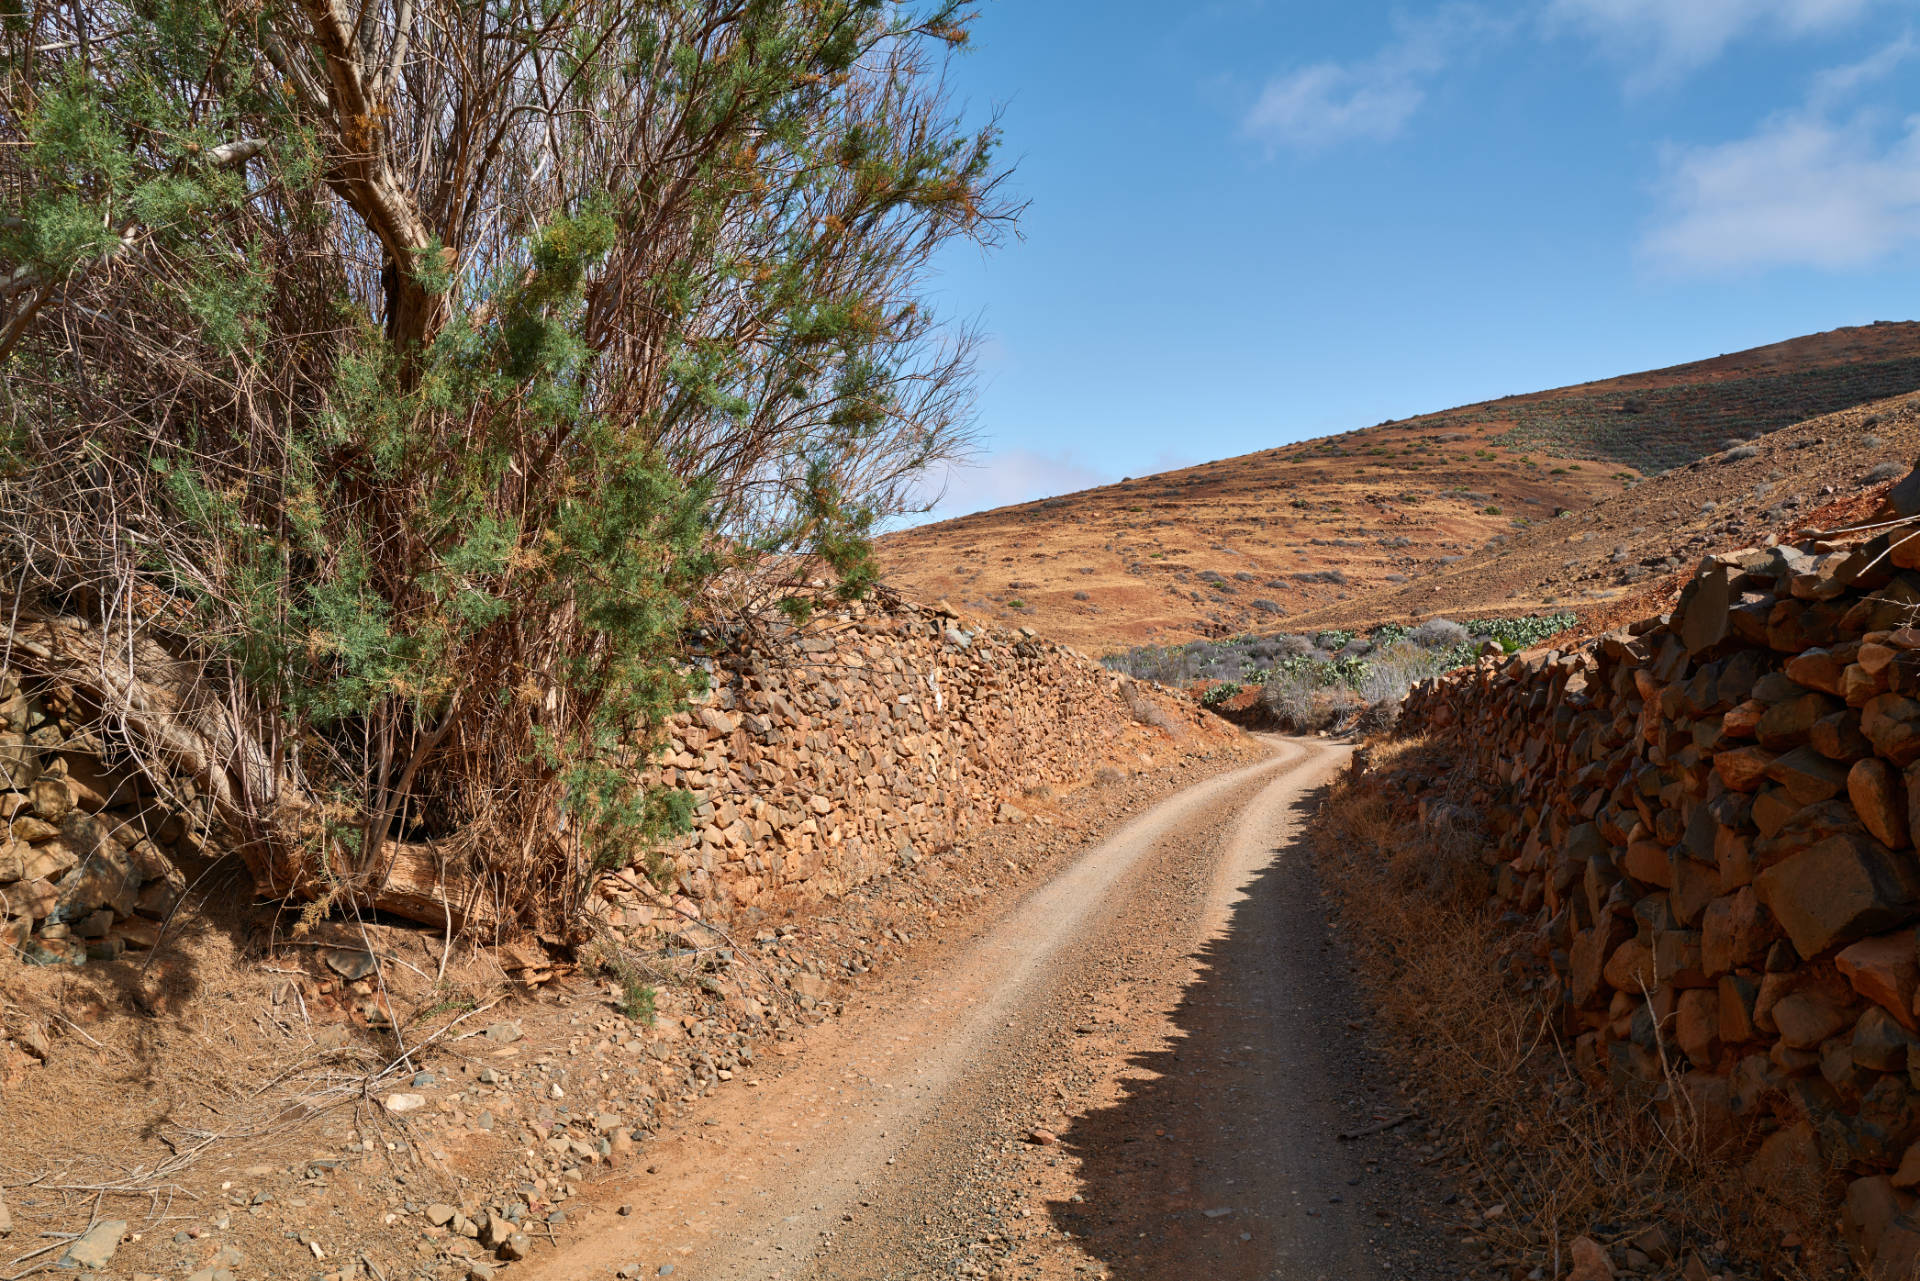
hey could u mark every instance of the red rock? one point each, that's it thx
(1744, 768)
(1676, 958)
(1743, 721)
(1694, 886)
(1808, 776)
(1735, 932)
(1773, 809)
(1590, 1261)
(1909, 1172)
(1875, 657)
(1891, 723)
(1630, 968)
(1697, 1025)
(1736, 1008)
(1806, 1018)
(1840, 890)
(1879, 1043)
(1733, 854)
(1648, 862)
(1879, 797)
(1838, 737)
(1789, 724)
(1858, 685)
(1885, 971)
(1700, 616)
(1816, 669)
(1789, 1157)
(1589, 954)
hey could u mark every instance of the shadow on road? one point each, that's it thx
(1223, 1160)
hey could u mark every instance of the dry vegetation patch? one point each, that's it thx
(1547, 1153)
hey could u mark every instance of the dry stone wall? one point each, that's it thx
(92, 857)
(828, 755)
(877, 738)
(1704, 830)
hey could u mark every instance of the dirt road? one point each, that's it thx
(1167, 1012)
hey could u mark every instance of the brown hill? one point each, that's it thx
(1272, 540)
(1627, 555)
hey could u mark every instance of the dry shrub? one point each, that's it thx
(1566, 1156)
(1150, 713)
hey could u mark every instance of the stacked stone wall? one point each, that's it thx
(830, 755)
(1704, 832)
(820, 758)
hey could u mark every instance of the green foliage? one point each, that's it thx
(438, 475)
(1515, 634)
(1220, 693)
(637, 1001)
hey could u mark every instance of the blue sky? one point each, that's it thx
(1254, 222)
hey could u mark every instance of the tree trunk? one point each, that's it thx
(175, 722)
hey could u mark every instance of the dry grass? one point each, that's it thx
(1563, 1154)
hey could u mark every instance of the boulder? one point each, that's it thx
(1840, 890)
(1880, 1043)
(1697, 1025)
(1808, 776)
(1735, 931)
(1886, 971)
(1701, 616)
(1743, 768)
(1806, 1018)
(1891, 723)
(1789, 724)
(1879, 797)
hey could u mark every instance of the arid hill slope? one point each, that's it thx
(1635, 548)
(1268, 540)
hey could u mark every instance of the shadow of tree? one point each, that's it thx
(1224, 1158)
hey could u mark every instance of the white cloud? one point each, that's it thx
(1004, 478)
(1330, 103)
(1668, 37)
(1807, 188)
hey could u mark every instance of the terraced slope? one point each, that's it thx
(1307, 531)
(1625, 556)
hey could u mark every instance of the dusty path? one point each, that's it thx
(1167, 1004)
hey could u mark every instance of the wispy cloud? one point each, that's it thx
(1666, 38)
(1004, 478)
(1816, 186)
(1328, 104)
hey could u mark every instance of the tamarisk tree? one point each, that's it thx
(393, 386)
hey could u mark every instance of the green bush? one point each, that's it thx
(1220, 693)
(431, 461)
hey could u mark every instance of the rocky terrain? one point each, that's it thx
(1309, 532)
(1700, 829)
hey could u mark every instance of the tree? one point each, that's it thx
(391, 388)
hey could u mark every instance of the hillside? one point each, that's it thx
(1304, 532)
(1627, 553)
